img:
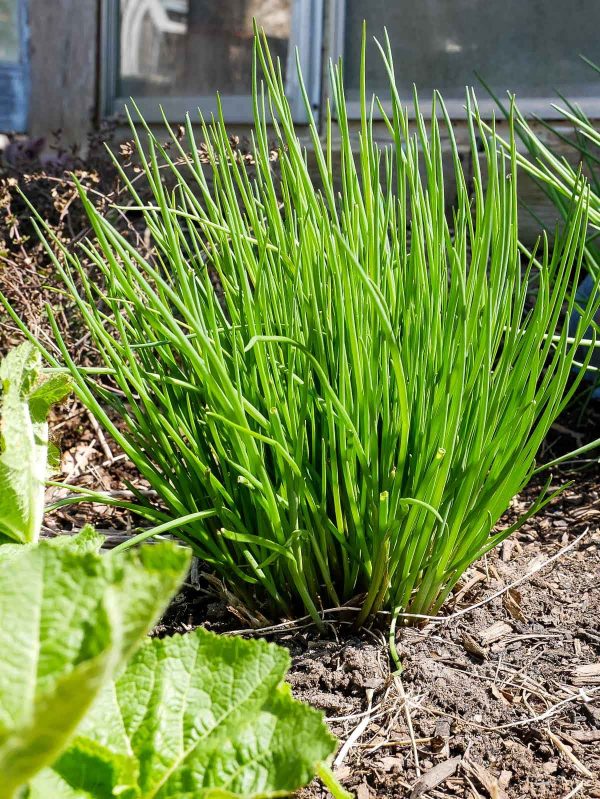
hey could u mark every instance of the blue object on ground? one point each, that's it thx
(582, 296)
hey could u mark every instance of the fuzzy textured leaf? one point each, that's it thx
(69, 618)
(198, 716)
(25, 399)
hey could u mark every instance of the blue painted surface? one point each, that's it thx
(14, 82)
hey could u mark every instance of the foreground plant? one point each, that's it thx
(92, 708)
(26, 396)
(69, 620)
(231, 730)
(354, 408)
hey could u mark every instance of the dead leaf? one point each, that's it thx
(550, 766)
(487, 781)
(342, 773)
(435, 776)
(588, 674)
(500, 695)
(585, 736)
(391, 764)
(504, 778)
(568, 753)
(464, 589)
(593, 714)
(512, 603)
(507, 549)
(495, 632)
(440, 743)
(363, 792)
(472, 647)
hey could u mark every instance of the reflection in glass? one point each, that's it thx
(528, 46)
(195, 47)
(10, 40)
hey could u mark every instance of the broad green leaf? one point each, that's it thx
(69, 620)
(25, 399)
(198, 716)
(50, 784)
(87, 540)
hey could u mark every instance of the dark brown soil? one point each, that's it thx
(472, 699)
(498, 694)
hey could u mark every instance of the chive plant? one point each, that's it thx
(559, 177)
(556, 175)
(350, 414)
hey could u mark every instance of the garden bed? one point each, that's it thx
(500, 701)
(499, 698)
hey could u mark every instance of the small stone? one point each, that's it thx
(363, 792)
(391, 764)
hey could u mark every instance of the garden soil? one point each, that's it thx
(499, 698)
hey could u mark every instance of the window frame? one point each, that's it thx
(306, 33)
(14, 77)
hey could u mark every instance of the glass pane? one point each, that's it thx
(176, 48)
(528, 46)
(10, 40)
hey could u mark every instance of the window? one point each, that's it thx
(13, 66)
(179, 53)
(530, 47)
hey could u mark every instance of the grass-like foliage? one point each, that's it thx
(559, 175)
(556, 166)
(353, 416)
